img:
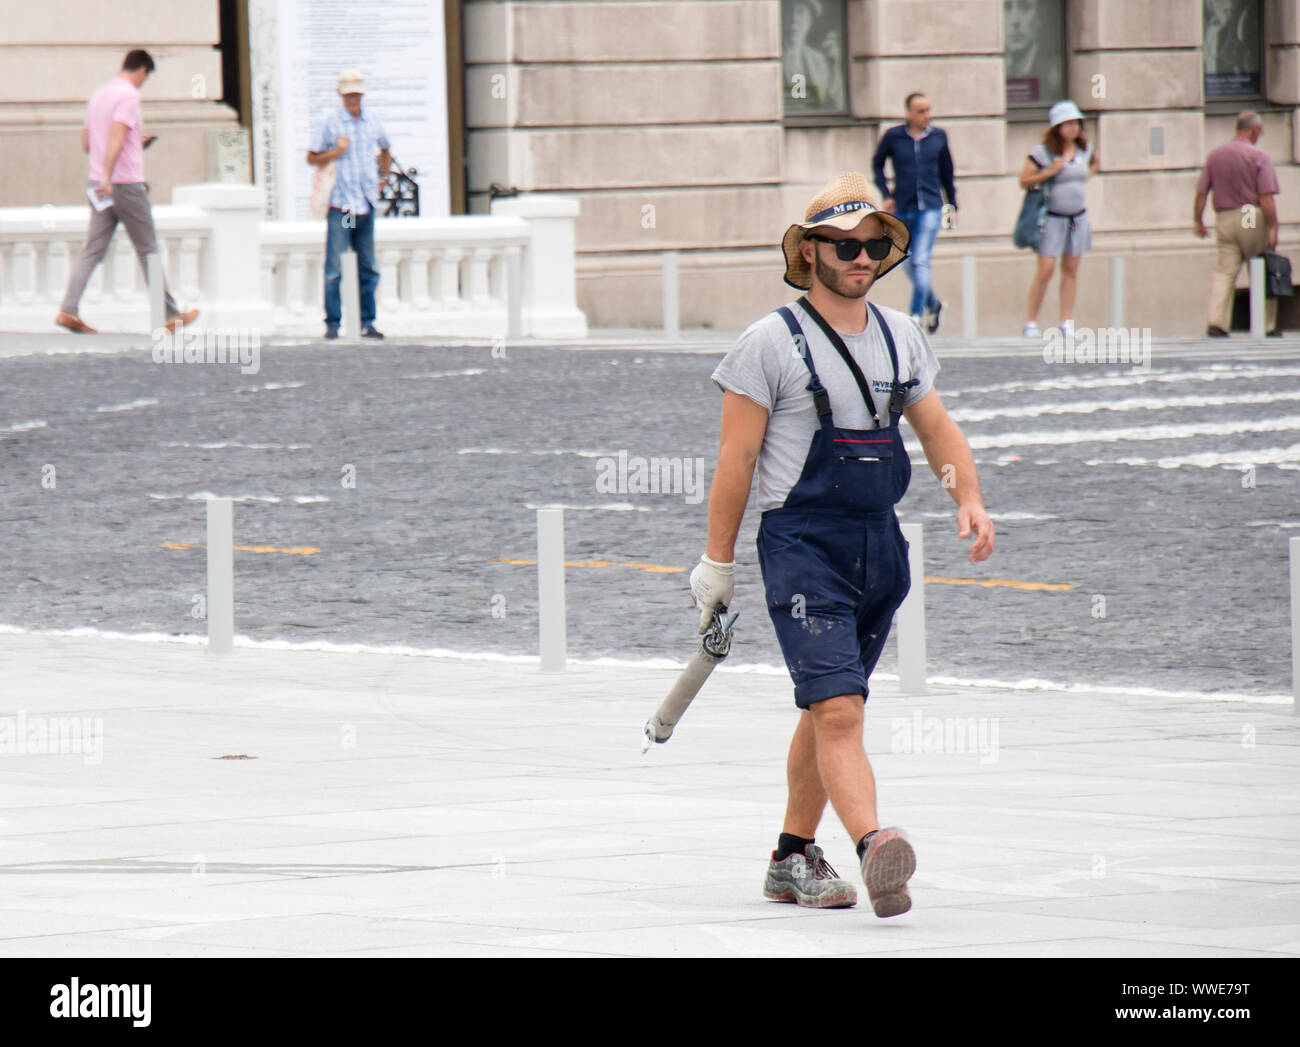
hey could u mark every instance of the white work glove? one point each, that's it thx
(712, 583)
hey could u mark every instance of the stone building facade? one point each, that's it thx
(667, 120)
(671, 122)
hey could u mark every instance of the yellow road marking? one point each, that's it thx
(662, 569)
(298, 550)
(1056, 587)
(657, 568)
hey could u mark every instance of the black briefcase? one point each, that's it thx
(1277, 275)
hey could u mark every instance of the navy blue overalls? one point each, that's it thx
(833, 558)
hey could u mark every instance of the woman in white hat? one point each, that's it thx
(1061, 164)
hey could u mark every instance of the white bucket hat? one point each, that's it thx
(1063, 112)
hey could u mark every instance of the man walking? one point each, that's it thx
(812, 397)
(351, 138)
(922, 168)
(1243, 182)
(113, 137)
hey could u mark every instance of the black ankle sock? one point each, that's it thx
(787, 845)
(865, 842)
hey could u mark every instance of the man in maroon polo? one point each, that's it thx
(1243, 182)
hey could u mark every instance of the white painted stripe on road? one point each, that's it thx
(1210, 459)
(1136, 403)
(1217, 373)
(1182, 431)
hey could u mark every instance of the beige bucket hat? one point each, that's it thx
(352, 82)
(843, 203)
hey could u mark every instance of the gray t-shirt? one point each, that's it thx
(1067, 190)
(765, 366)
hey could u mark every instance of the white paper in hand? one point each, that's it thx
(98, 203)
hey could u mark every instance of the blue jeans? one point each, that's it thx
(924, 227)
(359, 234)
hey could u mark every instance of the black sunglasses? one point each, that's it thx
(847, 250)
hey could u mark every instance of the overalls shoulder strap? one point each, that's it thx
(845, 355)
(899, 389)
(821, 399)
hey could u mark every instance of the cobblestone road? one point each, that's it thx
(1164, 500)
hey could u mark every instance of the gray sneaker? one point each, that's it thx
(886, 868)
(809, 880)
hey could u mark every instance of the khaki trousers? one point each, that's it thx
(1236, 244)
(131, 208)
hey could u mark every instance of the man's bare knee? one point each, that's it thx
(838, 717)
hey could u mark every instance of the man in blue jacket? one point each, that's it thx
(922, 167)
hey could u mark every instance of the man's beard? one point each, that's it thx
(839, 283)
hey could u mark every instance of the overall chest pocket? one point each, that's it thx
(863, 447)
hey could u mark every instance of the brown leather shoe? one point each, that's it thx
(73, 323)
(182, 320)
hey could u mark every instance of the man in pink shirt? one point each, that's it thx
(1244, 183)
(113, 137)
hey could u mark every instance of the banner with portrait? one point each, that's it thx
(1232, 48)
(813, 57)
(1034, 31)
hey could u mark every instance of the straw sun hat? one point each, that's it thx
(842, 204)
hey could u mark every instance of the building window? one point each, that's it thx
(1232, 49)
(813, 58)
(1035, 39)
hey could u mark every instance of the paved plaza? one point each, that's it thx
(294, 800)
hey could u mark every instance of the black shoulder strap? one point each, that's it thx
(846, 356)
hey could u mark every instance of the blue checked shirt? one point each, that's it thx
(356, 172)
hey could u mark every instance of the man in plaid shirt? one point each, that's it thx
(351, 138)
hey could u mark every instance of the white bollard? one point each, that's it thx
(221, 576)
(672, 312)
(551, 618)
(157, 289)
(1117, 292)
(911, 617)
(1257, 289)
(351, 297)
(514, 292)
(1295, 623)
(969, 297)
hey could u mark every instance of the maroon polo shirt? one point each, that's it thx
(1238, 173)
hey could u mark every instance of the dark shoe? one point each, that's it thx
(932, 318)
(371, 331)
(1215, 332)
(73, 323)
(807, 879)
(1274, 334)
(182, 320)
(331, 331)
(886, 868)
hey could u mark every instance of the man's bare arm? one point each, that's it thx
(85, 141)
(950, 459)
(1269, 206)
(1198, 213)
(743, 425)
(321, 159)
(385, 163)
(116, 137)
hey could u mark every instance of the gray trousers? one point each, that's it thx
(131, 208)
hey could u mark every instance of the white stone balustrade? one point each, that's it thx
(439, 277)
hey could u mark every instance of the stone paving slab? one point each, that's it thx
(432, 806)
